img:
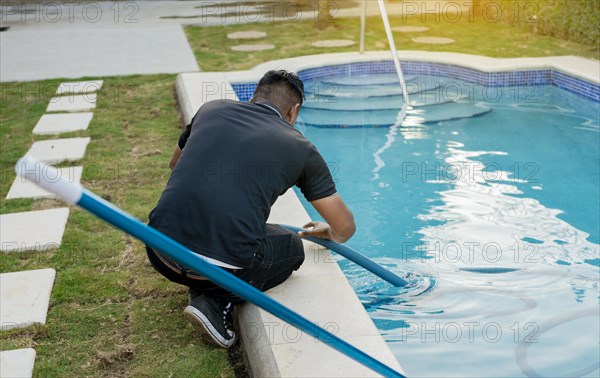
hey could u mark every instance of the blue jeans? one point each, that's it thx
(280, 253)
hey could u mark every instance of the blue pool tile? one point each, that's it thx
(244, 91)
(576, 85)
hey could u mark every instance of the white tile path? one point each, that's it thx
(39, 230)
(17, 363)
(249, 34)
(57, 150)
(410, 29)
(334, 43)
(72, 103)
(22, 188)
(79, 87)
(62, 123)
(433, 40)
(24, 297)
(259, 47)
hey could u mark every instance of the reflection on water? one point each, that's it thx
(490, 221)
(483, 288)
(479, 230)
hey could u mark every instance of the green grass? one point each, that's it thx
(211, 46)
(111, 314)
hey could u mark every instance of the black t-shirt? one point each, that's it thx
(237, 158)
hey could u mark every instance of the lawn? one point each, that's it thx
(111, 314)
(211, 46)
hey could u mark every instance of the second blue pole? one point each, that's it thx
(353, 255)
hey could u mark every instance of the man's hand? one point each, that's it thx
(340, 223)
(318, 229)
(323, 231)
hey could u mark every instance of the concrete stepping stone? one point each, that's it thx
(433, 40)
(57, 150)
(17, 363)
(410, 29)
(262, 47)
(40, 230)
(22, 188)
(62, 123)
(72, 103)
(24, 297)
(334, 43)
(79, 87)
(250, 34)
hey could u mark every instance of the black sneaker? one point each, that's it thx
(209, 317)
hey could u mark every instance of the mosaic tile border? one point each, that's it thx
(545, 76)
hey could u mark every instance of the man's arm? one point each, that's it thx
(180, 144)
(340, 222)
(175, 157)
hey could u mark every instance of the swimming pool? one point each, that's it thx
(486, 199)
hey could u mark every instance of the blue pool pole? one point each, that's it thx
(50, 179)
(353, 255)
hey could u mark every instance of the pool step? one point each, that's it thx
(383, 118)
(359, 104)
(448, 112)
(384, 86)
(364, 79)
(324, 90)
(364, 101)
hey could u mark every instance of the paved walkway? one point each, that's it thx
(74, 40)
(106, 51)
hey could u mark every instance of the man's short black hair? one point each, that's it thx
(280, 87)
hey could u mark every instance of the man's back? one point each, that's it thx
(229, 166)
(238, 159)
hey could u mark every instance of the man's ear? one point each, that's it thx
(292, 114)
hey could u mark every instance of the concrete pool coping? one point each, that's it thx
(215, 85)
(319, 290)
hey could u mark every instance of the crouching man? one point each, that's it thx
(229, 166)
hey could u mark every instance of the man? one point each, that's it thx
(229, 166)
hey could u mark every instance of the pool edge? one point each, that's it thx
(566, 72)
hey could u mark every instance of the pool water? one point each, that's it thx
(487, 201)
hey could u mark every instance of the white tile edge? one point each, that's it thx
(76, 170)
(94, 86)
(30, 354)
(47, 274)
(88, 116)
(62, 212)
